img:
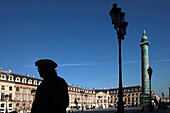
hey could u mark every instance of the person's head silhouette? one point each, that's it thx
(46, 67)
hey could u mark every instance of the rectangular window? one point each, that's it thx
(10, 97)
(29, 90)
(132, 98)
(136, 98)
(24, 97)
(17, 97)
(17, 106)
(10, 88)
(128, 99)
(29, 97)
(2, 96)
(23, 89)
(17, 88)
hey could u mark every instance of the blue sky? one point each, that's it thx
(79, 36)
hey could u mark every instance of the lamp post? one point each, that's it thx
(33, 92)
(86, 101)
(150, 98)
(6, 98)
(82, 93)
(76, 103)
(99, 101)
(120, 25)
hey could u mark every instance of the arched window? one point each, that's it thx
(10, 105)
(23, 106)
(29, 81)
(17, 79)
(2, 87)
(2, 105)
(24, 80)
(17, 106)
(29, 106)
(3, 77)
(10, 78)
(35, 82)
(39, 83)
(10, 88)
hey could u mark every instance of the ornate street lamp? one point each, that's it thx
(6, 98)
(86, 101)
(120, 25)
(150, 98)
(99, 101)
(76, 103)
(33, 92)
(82, 93)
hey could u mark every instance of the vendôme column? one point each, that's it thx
(145, 65)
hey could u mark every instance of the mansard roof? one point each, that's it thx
(15, 75)
(102, 90)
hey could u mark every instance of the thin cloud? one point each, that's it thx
(28, 65)
(162, 60)
(81, 64)
(131, 62)
(91, 64)
(134, 62)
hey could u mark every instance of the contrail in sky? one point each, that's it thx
(91, 64)
(82, 64)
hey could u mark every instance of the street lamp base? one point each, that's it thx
(120, 107)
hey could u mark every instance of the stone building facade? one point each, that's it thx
(20, 90)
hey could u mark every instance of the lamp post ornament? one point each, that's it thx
(150, 98)
(120, 26)
(6, 98)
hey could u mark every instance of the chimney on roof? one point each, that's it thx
(94, 88)
(33, 76)
(72, 84)
(138, 84)
(103, 88)
(124, 86)
(0, 69)
(9, 71)
(77, 85)
(27, 75)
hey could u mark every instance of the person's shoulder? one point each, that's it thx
(61, 79)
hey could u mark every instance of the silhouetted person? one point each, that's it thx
(52, 94)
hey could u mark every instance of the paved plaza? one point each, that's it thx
(127, 110)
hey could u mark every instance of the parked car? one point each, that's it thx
(162, 105)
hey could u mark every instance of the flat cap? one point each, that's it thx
(46, 63)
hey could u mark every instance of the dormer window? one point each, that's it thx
(39, 83)
(17, 79)
(10, 78)
(35, 82)
(3, 77)
(29, 81)
(24, 80)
